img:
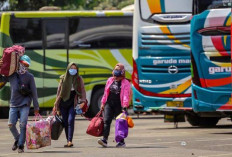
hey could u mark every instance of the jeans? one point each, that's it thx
(14, 114)
(111, 110)
(68, 115)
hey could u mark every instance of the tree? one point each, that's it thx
(112, 4)
(26, 5)
(2, 2)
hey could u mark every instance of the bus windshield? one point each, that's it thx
(151, 7)
(201, 5)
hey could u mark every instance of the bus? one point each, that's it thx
(161, 75)
(96, 40)
(211, 60)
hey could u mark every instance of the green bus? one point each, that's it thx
(96, 40)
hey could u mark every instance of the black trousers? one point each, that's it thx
(112, 110)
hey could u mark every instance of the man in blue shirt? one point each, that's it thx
(20, 101)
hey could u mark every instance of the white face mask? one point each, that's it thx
(22, 69)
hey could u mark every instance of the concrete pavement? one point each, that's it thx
(150, 137)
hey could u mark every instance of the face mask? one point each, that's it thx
(22, 69)
(117, 73)
(72, 71)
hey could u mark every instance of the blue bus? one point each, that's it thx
(211, 61)
(161, 75)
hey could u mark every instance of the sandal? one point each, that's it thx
(69, 144)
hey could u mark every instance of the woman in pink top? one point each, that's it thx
(115, 99)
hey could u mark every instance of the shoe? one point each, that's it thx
(102, 142)
(121, 144)
(68, 145)
(21, 149)
(15, 146)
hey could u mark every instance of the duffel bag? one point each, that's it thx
(96, 126)
(57, 127)
(10, 60)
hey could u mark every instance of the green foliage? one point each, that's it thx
(68, 5)
(2, 3)
(112, 4)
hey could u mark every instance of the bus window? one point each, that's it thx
(55, 43)
(100, 32)
(149, 8)
(55, 34)
(200, 6)
(26, 32)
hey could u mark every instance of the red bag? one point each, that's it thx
(96, 126)
(10, 60)
(19, 49)
(85, 107)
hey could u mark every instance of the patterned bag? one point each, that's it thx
(38, 133)
(10, 59)
(121, 127)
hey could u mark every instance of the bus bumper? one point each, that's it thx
(143, 103)
(205, 100)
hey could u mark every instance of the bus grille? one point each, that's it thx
(164, 69)
(165, 39)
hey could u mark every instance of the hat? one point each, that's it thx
(25, 60)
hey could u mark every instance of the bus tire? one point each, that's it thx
(209, 121)
(193, 119)
(4, 112)
(96, 101)
(196, 120)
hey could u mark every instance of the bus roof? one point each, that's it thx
(41, 14)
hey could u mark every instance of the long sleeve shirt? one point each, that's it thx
(18, 99)
(77, 99)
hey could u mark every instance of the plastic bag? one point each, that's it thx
(130, 122)
(38, 133)
(121, 127)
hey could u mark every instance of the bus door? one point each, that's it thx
(55, 52)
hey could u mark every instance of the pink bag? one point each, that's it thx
(19, 49)
(38, 133)
(10, 60)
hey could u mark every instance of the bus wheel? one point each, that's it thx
(4, 112)
(209, 121)
(193, 119)
(96, 101)
(196, 120)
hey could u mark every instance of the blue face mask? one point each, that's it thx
(72, 71)
(117, 73)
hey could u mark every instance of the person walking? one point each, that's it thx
(70, 92)
(20, 101)
(115, 99)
